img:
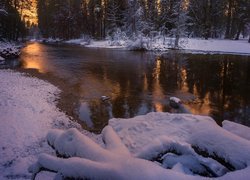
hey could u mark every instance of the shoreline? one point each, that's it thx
(66, 100)
(190, 46)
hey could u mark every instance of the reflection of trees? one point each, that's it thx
(220, 83)
(134, 74)
(225, 82)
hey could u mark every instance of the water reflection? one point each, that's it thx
(138, 83)
(32, 59)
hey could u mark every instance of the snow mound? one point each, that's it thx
(188, 137)
(163, 146)
(237, 129)
(86, 159)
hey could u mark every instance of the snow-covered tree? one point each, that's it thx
(11, 25)
(178, 20)
(206, 18)
(63, 19)
(114, 17)
(135, 19)
(3, 12)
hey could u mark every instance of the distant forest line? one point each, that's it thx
(99, 19)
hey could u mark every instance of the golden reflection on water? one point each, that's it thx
(34, 61)
(184, 84)
(158, 94)
(201, 108)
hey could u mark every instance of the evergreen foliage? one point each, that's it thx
(103, 18)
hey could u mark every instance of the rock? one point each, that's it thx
(174, 102)
(105, 98)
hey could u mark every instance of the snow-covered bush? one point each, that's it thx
(3, 12)
(52, 40)
(9, 50)
(140, 43)
(117, 38)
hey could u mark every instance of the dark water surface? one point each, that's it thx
(138, 83)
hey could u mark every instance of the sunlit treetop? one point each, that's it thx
(29, 14)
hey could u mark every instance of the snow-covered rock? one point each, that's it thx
(174, 102)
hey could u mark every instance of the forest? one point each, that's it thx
(100, 19)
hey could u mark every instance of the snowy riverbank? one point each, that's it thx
(213, 46)
(8, 50)
(28, 111)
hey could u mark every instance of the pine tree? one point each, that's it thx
(11, 25)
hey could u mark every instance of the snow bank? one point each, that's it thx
(97, 44)
(219, 46)
(163, 146)
(193, 139)
(27, 111)
(238, 129)
(86, 159)
(104, 44)
(213, 46)
(164, 44)
(82, 42)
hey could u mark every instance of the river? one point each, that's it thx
(141, 82)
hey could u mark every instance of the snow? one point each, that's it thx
(104, 44)
(3, 12)
(81, 42)
(8, 50)
(175, 99)
(89, 160)
(1, 58)
(192, 45)
(155, 141)
(149, 135)
(27, 111)
(219, 46)
(213, 46)
(237, 129)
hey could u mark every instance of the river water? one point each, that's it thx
(141, 82)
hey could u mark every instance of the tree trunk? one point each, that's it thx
(239, 31)
(176, 42)
(229, 19)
